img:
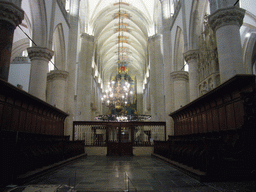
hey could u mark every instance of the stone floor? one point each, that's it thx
(100, 173)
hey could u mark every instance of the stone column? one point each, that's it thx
(11, 15)
(180, 88)
(168, 68)
(156, 78)
(84, 84)
(57, 80)
(226, 23)
(191, 58)
(40, 57)
(71, 66)
(139, 97)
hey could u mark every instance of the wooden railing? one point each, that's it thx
(216, 132)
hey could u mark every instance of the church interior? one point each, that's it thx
(169, 79)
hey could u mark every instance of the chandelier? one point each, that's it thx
(120, 93)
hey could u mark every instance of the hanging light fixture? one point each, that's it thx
(120, 93)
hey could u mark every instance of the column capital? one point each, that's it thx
(191, 54)
(226, 16)
(40, 53)
(11, 13)
(154, 37)
(179, 75)
(57, 75)
(87, 36)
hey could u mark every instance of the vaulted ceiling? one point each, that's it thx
(129, 30)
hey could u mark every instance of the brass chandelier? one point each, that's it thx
(120, 91)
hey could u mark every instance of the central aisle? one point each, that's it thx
(107, 173)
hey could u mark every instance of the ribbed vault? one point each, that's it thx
(135, 27)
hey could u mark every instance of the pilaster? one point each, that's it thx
(11, 15)
(40, 57)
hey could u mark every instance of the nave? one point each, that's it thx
(112, 173)
(60, 58)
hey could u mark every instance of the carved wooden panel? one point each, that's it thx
(223, 108)
(20, 111)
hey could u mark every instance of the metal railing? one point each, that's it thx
(96, 133)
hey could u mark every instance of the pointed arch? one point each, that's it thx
(248, 38)
(19, 47)
(58, 47)
(197, 16)
(22, 44)
(250, 54)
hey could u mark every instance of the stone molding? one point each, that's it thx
(11, 13)
(226, 16)
(191, 54)
(20, 60)
(179, 75)
(63, 10)
(39, 53)
(87, 36)
(177, 9)
(57, 75)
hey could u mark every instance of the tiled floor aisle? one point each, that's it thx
(100, 173)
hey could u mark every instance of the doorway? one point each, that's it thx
(119, 140)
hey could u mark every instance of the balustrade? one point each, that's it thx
(97, 133)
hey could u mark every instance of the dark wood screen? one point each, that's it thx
(223, 108)
(20, 111)
(216, 132)
(31, 134)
